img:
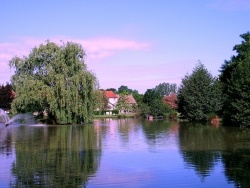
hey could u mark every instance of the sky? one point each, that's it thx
(136, 43)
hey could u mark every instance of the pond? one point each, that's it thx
(124, 153)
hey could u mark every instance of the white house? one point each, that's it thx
(112, 99)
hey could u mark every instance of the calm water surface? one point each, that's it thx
(124, 153)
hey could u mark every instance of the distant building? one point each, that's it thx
(131, 99)
(126, 103)
(171, 100)
(112, 99)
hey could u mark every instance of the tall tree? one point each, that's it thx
(235, 80)
(6, 96)
(55, 78)
(199, 95)
(166, 88)
(150, 95)
(159, 108)
(123, 89)
(137, 96)
(101, 101)
(154, 104)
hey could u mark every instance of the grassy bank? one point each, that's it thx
(115, 116)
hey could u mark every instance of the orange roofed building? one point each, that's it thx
(112, 99)
(171, 100)
(129, 99)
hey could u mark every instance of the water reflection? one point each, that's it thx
(203, 147)
(125, 152)
(236, 156)
(160, 132)
(55, 156)
(6, 141)
(200, 147)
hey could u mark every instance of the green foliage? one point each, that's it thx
(123, 103)
(150, 95)
(55, 78)
(235, 80)
(199, 95)
(123, 89)
(144, 109)
(6, 96)
(138, 97)
(166, 88)
(159, 108)
(104, 112)
(238, 95)
(153, 104)
(115, 111)
(100, 100)
(121, 116)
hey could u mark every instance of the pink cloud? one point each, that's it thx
(103, 47)
(5, 56)
(114, 44)
(96, 48)
(99, 55)
(100, 48)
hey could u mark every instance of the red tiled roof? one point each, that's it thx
(110, 94)
(131, 99)
(128, 98)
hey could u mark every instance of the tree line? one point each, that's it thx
(55, 79)
(228, 95)
(151, 103)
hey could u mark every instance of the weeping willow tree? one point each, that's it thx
(54, 79)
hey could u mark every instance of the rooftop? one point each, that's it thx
(110, 94)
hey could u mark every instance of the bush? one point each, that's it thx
(173, 115)
(115, 111)
(121, 116)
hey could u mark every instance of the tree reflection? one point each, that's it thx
(200, 146)
(56, 156)
(126, 127)
(6, 142)
(236, 157)
(237, 167)
(159, 130)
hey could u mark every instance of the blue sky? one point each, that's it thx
(134, 43)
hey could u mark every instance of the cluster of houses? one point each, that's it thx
(113, 98)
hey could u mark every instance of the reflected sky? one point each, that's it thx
(139, 162)
(5, 170)
(133, 153)
(7, 156)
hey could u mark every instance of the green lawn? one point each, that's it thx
(115, 116)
